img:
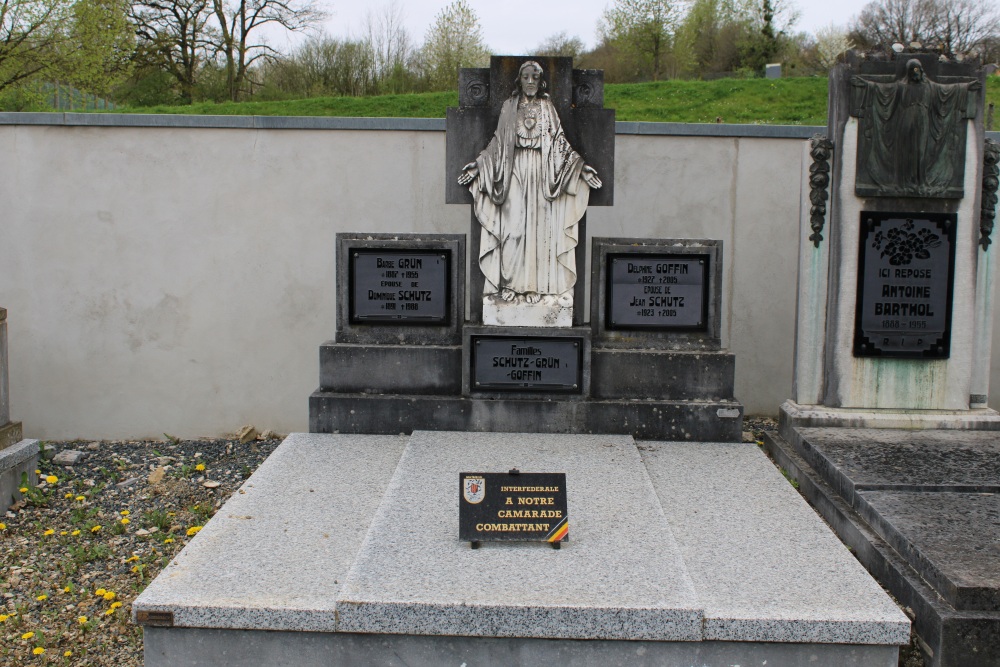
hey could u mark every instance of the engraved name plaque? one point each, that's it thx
(663, 292)
(906, 266)
(505, 363)
(399, 287)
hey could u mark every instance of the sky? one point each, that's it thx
(515, 27)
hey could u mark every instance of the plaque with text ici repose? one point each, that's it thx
(664, 292)
(392, 287)
(906, 266)
(514, 506)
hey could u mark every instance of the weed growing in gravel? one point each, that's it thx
(102, 526)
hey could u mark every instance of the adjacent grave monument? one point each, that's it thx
(17, 457)
(529, 149)
(888, 430)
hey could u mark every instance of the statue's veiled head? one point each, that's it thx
(529, 79)
(914, 71)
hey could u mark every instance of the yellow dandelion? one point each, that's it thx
(75, 533)
(49, 532)
(68, 495)
(168, 540)
(200, 467)
(125, 521)
(52, 479)
(109, 612)
(38, 472)
(124, 512)
(109, 595)
(68, 589)
(171, 513)
(68, 654)
(100, 592)
(135, 568)
(132, 559)
(3, 618)
(82, 620)
(3, 526)
(193, 530)
(115, 605)
(23, 489)
(41, 597)
(63, 533)
(27, 635)
(95, 529)
(80, 498)
(38, 650)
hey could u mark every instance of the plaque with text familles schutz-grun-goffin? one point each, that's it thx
(905, 281)
(512, 506)
(408, 287)
(505, 363)
(661, 292)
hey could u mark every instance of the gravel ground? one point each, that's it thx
(78, 550)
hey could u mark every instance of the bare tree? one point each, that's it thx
(176, 37)
(560, 44)
(388, 38)
(885, 22)
(965, 26)
(239, 41)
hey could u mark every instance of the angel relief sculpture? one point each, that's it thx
(912, 133)
(530, 190)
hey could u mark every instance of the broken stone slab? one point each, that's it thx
(68, 457)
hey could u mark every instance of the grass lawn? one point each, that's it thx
(798, 101)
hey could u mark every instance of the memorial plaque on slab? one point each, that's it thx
(512, 506)
(659, 292)
(905, 280)
(409, 287)
(506, 363)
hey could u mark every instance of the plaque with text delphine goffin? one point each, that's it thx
(906, 267)
(512, 507)
(660, 292)
(400, 289)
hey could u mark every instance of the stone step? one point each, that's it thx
(345, 548)
(15, 460)
(331, 412)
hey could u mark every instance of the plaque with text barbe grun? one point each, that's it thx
(512, 506)
(394, 287)
(505, 363)
(906, 267)
(663, 292)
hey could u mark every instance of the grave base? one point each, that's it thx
(10, 433)
(344, 549)
(919, 509)
(394, 414)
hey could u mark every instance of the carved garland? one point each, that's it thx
(991, 178)
(819, 181)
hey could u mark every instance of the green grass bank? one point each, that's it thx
(799, 101)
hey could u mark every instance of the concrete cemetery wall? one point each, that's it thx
(179, 277)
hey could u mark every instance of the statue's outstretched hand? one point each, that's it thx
(589, 176)
(469, 172)
(975, 85)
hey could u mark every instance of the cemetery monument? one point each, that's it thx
(888, 430)
(511, 428)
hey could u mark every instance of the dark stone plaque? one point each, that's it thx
(664, 292)
(506, 363)
(906, 266)
(399, 287)
(518, 507)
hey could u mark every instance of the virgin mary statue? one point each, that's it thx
(530, 189)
